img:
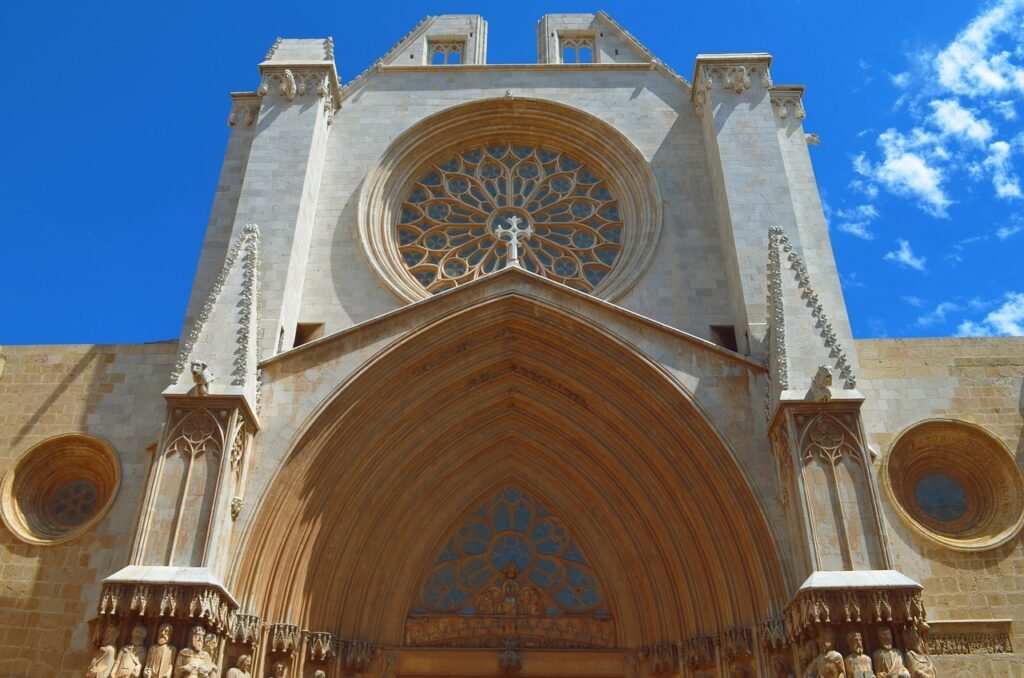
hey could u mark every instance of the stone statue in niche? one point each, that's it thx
(821, 385)
(829, 663)
(202, 377)
(129, 660)
(242, 668)
(858, 664)
(279, 670)
(210, 646)
(319, 673)
(160, 659)
(919, 664)
(103, 660)
(194, 661)
(887, 659)
(809, 655)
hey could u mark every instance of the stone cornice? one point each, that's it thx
(735, 72)
(245, 108)
(301, 78)
(787, 101)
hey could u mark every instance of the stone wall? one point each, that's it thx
(111, 392)
(976, 380)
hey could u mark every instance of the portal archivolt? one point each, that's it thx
(511, 393)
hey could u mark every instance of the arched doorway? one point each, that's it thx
(511, 393)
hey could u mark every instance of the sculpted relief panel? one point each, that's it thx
(511, 570)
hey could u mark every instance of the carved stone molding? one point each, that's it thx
(246, 629)
(772, 633)
(296, 82)
(245, 109)
(247, 245)
(787, 102)
(829, 437)
(816, 607)
(778, 244)
(199, 603)
(284, 638)
(662, 659)
(698, 651)
(734, 73)
(321, 645)
(492, 630)
(970, 636)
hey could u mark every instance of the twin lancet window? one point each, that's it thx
(506, 203)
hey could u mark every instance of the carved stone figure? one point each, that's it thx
(202, 377)
(888, 660)
(129, 660)
(319, 673)
(821, 385)
(210, 646)
(103, 660)
(194, 661)
(242, 667)
(279, 670)
(810, 655)
(919, 664)
(858, 664)
(160, 659)
(829, 663)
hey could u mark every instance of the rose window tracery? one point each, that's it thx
(512, 556)
(462, 216)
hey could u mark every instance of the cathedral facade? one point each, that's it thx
(514, 369)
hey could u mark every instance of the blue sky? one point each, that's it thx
(115, 114)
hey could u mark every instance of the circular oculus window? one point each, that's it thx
(461, 215)
(955, 484)
(60, 488)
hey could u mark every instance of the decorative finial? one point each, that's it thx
(516, 228)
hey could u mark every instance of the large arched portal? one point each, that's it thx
(511, 393)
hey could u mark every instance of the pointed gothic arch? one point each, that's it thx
(511, 388)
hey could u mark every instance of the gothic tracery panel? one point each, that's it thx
(511, 569)
(449, 225)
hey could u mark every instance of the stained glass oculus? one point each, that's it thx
(511, 553)
(448, 225)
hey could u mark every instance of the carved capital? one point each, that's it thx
(734, 73)
(193, 602)
(284, 638)
(245, 109)
(320, 645)
(246, 629)
(787, 101)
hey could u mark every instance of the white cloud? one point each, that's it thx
(956, 98)
(857, 220)
(1007, 320)
(952, 119)
(900, 80)
(906, 172)
(1004, 232)
(938, 315)
(1006, 109)
(905, 256)
(1004, 179)
(916, 302)
(970, 65)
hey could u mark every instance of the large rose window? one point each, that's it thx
(484, 208)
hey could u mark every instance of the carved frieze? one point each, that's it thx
(787, 102)
(491, 631)
(321, 645)
(284, 637)
(734, 75)
(663, 659)
(246, 629)
(815, 607)
(293, 83)
(200, 603)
